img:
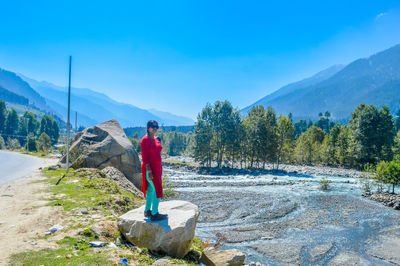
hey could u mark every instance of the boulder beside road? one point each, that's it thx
(103, 145)
(174, 235)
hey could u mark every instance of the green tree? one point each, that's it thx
(3, 116)
(12, 123)
(223, 121)
(270, 141)
(32, 122)
(386, 130)
(393, 173)
(323, 122)
(31, 144)
(308, 145)
(300, 127)
(13, 144)
(234, 136)
(346, 147)
(397, 121)
(2, 143)
(396, 146)
(373, 133)
(285, 132)
(22, 131)
(254, 125)
(49, 126)
(203, 136)
(44, 143)
(330, 146)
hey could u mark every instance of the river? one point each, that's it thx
(285, 219)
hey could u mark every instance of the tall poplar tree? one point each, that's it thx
(285, 132)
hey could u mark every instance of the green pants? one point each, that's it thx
(152, 201)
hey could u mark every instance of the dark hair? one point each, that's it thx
(152, 124)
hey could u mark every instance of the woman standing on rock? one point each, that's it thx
(152, 172)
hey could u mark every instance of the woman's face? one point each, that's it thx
(152, 130)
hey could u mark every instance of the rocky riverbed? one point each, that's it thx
(283, 218)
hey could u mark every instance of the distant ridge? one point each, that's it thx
(320, 76)
(94, 107)
(171, 119)
(13, 83)
(373, 80)
(11, 97)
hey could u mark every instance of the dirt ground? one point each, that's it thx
(24, 216)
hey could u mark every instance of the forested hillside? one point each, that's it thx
(374, 80)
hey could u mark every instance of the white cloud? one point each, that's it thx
(380, 15)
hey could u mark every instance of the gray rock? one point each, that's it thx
(347, 258)
(81, 211)
(106, 145)
(54, 167)
(117, 176)
(318, 252)
(97, 231)
(287, 254)
(163, 262)
(231, 257)
(174, 235)
(387, 248)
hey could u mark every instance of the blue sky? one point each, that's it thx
(176, 56)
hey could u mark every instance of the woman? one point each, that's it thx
(151, 172)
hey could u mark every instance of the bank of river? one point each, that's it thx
(284, 218)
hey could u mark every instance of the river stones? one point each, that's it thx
(230, 257)
(320, 251)
(287, 254)
(173, 235)
(387, 248)
(347, 258)
(106, 145)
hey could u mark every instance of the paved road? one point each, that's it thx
(14, 166)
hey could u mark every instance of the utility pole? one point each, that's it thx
(69, 100)
(76, 121)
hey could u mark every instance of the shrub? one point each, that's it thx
(31, 144)
(44, 143)
(2, 143)
(13, 144)
(324, 184)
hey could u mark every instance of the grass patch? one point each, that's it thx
(168, 190)
(38, 154)
(88, 188)
(72, 251)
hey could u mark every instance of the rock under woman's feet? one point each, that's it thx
(158, 217)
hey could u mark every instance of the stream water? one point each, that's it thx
(286, 219)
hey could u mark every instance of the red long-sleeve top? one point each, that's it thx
(151, 154)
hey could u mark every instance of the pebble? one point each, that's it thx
(69, 256)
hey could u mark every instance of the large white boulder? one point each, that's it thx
(103, 145)
(173, 235)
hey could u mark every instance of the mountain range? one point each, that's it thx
(90, 107)
(340, 89)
